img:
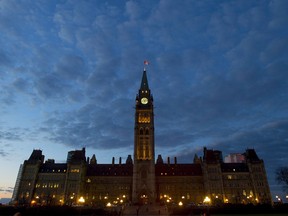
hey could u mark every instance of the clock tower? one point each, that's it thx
(144, 155)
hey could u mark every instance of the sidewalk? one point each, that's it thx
(146, 210)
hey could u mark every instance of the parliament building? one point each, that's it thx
(143, 178)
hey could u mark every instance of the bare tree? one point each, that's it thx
(282, 176)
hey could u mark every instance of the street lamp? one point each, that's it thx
(81, 200)
(278, 198)
(207, 200)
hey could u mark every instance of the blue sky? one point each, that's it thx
(70, 71)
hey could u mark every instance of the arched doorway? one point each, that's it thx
(144, 199)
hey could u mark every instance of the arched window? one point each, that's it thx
(147, 131)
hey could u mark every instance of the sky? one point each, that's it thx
(70, 71)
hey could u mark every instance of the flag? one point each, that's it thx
(146, 62)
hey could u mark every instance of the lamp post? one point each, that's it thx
(278, 198)
(207, 201)
(81, 200)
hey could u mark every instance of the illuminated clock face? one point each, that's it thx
(144, 100)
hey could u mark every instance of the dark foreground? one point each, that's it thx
(233, 210)
(51, 211)
(227, 210)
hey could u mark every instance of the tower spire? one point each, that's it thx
(144, 82)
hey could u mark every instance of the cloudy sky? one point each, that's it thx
(70, 71)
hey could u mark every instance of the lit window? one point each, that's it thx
(75, 170)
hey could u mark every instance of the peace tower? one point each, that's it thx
(144, 154)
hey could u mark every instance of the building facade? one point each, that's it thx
(143, 179)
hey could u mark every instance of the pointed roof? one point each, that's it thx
(144, 82)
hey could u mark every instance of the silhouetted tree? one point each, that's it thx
(282, 176)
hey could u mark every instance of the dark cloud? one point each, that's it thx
(7, 97)
(3, 153)
(4, 61)
(14, 134)
(6, 189)
(50, 86)
(71, 68)
(280, 17)
(9, 135)
(89, 127)
(20, 84)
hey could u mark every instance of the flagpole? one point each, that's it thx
(145, 63)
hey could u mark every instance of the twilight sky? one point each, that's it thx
(70, 71)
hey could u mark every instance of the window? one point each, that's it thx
(147, 131)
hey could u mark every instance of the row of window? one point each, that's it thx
(233, 177)
(53, 170)
(182, 187)
(259, 184)
(103, 188)
(142, 131)
(256, 169)
(258, 176)
(47, 185)
(237, 185)
(47, 170)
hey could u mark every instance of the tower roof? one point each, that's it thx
(144, 82)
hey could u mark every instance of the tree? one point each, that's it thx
(282, 176)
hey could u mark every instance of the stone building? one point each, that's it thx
(142, 179)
